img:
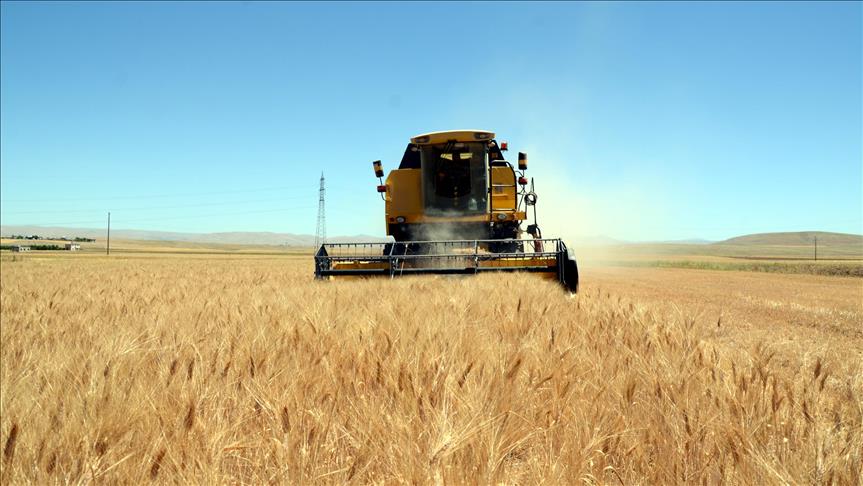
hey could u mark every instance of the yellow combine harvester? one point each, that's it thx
(454, 206)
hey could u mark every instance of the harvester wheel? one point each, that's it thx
(570, 273)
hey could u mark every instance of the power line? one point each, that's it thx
(152, 196)
(151, 208)
(262, 211)
(99, 221)
(156, 196)
(173, 218)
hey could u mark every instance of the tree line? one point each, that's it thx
(62, 238)
(34, 247)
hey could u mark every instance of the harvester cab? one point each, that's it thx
(455, 205)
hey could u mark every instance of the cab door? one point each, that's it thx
(502, 187)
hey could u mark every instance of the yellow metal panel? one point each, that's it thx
(457, 135)
(549, 262)
(360, 266)
(404, 194)
(519, 262)
(404, 191)
(503, 191)
(473, 218)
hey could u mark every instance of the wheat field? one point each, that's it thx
(247, 371)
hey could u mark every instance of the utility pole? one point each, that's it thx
(321, 230)
(108, 246)
(816, 248)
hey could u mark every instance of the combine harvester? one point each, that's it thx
(454, 206)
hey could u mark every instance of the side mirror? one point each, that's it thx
(379, 169)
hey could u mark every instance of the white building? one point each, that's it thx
(73, 246)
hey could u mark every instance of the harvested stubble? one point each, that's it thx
(247, 371)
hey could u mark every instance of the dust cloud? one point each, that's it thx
(591, 215)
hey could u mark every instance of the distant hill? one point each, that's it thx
(847, 243)
(236, 238)
(691, 241)
(799, 238)
(595, 240)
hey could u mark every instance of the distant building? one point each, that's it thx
(73, 246)
(20, 248)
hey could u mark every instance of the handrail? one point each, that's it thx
(464, 257)
(439, 242)
(475, 256)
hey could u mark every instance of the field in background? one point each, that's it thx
(837, 254)
(47, 241)
(143, 247)
(843, 258)
(238, 367)
(758, 251)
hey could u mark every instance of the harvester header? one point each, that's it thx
(454, 205)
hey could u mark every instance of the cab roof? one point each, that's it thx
(452, 136)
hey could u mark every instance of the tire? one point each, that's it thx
(570, 273)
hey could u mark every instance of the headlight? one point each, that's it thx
(501, 216)
(400, 219)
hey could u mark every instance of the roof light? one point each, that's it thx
(504, 146)
(482, 135)
(522, 181)
(382, 188)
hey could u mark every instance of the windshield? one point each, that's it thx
(454, 177)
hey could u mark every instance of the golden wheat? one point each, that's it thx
(247, 371)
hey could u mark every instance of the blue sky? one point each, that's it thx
(642, 121)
